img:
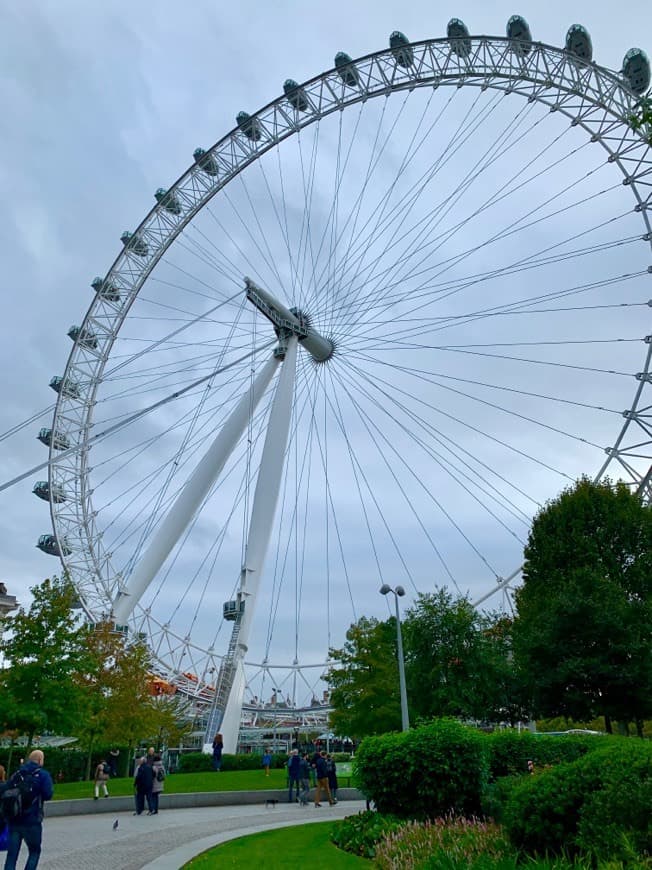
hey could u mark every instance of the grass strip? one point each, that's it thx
(293, 846)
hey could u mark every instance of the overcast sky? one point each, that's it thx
(105, 102)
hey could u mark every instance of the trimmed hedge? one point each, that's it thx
(197, 762)
(509, 751)
(427, 772)
(69, 762)
(598, 805)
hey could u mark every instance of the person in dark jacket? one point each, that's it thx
(304, 778)
(294, 775)
(322, 780)
(331, 767)
(29, 827)
(218, 747)
(144, 783)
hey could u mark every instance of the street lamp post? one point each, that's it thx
(399, 592)
(275, 721)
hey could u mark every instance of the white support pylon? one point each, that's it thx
(191, 496)
(260, 528)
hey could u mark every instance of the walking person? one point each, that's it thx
(313, 769)
(304, 774)
(28, 826)
(101, 778)
(294, 775)
(218, 746)
(332, 776)
(114, 754)
(322, 780)
(144, 783)
(157, 786)
(267, 761)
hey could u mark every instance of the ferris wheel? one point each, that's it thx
(362, 339)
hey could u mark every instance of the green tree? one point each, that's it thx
(42, 647)
(95, 677)
(583, 632)
(119, 704)
(172, 720)
(131, 713)
(364, 687)
(458, 660)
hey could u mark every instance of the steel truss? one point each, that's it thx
(594, 98)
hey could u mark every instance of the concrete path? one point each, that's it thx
(168, 840)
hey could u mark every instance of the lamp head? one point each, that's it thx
(384, 589)
(400, 591)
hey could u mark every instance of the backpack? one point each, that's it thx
(160, 775)
(21, 792)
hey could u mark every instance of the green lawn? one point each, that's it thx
(183, 783)
(300, 845)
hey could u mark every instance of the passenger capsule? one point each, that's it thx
(519, 33)
(83, 337)
(231, 610)
(401, 48)
(53, 493)
(57, 440)
(105, 289)
(168, 200)
(49, 544)
(346, 69)
(69, 389)
(458, 35)
(636, 69)
(249, 126)
(578, 42)
(206, 162)
(296, 95)
(134, 243)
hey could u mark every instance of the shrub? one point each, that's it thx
(195, 762)
(430, 771)
(615, 820)
(360, 834)
(598, 804)
(543, 810)
(69, 762)
(341, 756)
(509, 751)
(496, 796)
(445, 843)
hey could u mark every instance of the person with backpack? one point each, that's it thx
(331, 767)
(101, 778)
(21, 806)
(157, 786)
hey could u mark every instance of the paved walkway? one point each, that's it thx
(165, 841)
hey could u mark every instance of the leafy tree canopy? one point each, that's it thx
(582, 636)
(43, 647)
(459, 660)
(364, 687)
